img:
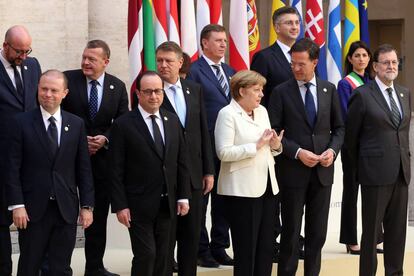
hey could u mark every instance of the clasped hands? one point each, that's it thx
(311, 159)
(271, 138)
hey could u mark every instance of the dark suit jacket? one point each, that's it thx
(273, 65)
(138, 173)
(195, 133)
(377, 148)
(287, 111)
(214, 96)
(33, 170)
(10, 105)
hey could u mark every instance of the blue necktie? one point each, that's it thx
(180, 107)
(93, 100)
(310, 105)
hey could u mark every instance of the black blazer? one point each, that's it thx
(375, 145)
(195, 133)
(273, 65)
(138, 172)
(287, 111)
(10, 105)
(114, 104)
(33, 170)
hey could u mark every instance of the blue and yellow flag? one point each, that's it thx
(363, 20)
(351, 26)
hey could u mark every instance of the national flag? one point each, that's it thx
(160, 21)
(172, 12)
(215, 12)
(276, 4)
(135, 45)
(351, 26)
(188, 30)
(315, 30)
(298, 5)
(253, 29)
(363, 21)
(334, 57)
(149, 36)
(238, 30)
(203, 18)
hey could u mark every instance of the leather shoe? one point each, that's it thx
(175, 266)
(222, 258)
(100, 272)
(207, 261)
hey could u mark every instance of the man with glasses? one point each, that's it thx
(148, 177)
(377, 132)
(19, 76)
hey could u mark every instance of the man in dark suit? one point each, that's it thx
(273, 63)
(377, 133)
(98, 98)
(214, 77)
(19, 76)
(149, 177)
(48, 166)
(184, 98)
(307, 108)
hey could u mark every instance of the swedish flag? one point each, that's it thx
(351, 26)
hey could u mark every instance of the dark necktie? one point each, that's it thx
(395, 113)
(53, 135)
(221, 79)
(159, 144)
(93, 100)
(18, 81)
(310, 105)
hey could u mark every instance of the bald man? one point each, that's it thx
(19, 76)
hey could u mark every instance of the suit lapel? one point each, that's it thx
(40, 130)
(64, 133)
(280, 56)
(323, 100)
(404, 103)
(144, 131)
(168, 129)
(107, 95)
(9, 83)
(25, 71)
(82, 89)
(187, 96)
(379, 98)
(208, 72)
(297, 99)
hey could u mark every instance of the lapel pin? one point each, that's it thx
(111, 87)
(325, 90)
(165, 118)
(187, 91)
(402, 95)
(25, 67)
(67, 128)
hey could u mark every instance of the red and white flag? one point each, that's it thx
(239, 40)
(314, 21)
(215, 12)
(188, 30)
(160, 21)
(173, 33)
(203, 18)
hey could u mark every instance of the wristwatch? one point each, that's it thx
(90, 208)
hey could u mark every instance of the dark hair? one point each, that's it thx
(185, 68)
(146, 74)
(284, 10)
(352, 48)
(382, 49)
(57, 73)
(306, 45)
(205, 32)
(170, 46)
(97, 43)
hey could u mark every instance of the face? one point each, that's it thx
(287, 28)
(359, 60)
(168, 66)
(51, 92)
(387, 67)
(215, 46)
(150, 102)
(251, 97)
(302, 66)
(17, 49)
(94, 62)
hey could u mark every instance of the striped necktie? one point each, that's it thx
(221, 79)
(395, 113)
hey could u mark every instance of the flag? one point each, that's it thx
(363, 21)
(172, 12)
(160, 21)
(298, 5)
(315, 30)
(203, 18)
(276, 4)
(253, 29)
(334, 57)
(135, 46)
(351, 26)
(215, 12)
(238, 30)
(188, 29)
(149, 36)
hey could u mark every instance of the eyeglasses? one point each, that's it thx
(291, 23)
(20, 52)
(389, 62)
(157, 92)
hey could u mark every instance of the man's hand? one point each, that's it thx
(308, 158)
(20, 218)
(208, 183)
(95, 143)
(124, 217)
(182, 208)
(327, 158)
(85, 218)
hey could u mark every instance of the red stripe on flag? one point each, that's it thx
(236, 60)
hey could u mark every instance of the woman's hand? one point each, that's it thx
(265, 139)
(276, 140)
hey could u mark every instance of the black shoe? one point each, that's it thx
(100, 272)
(222, 258)
(207, 261)
(175, 266)
(301, 254)
(276, 254)
(351, 251)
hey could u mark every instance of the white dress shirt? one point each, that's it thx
(170, 93)
(285, 49)
(384, 92)
(302, 89)
(9, 69)
(148, 121)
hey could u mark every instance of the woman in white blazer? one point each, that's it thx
(246, 144)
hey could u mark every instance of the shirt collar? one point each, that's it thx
(382, 85)
(210, 62)
(146, 115)
(285, 48)
(167, 85)
(46, 115)
(100, 80)
(312, 81)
